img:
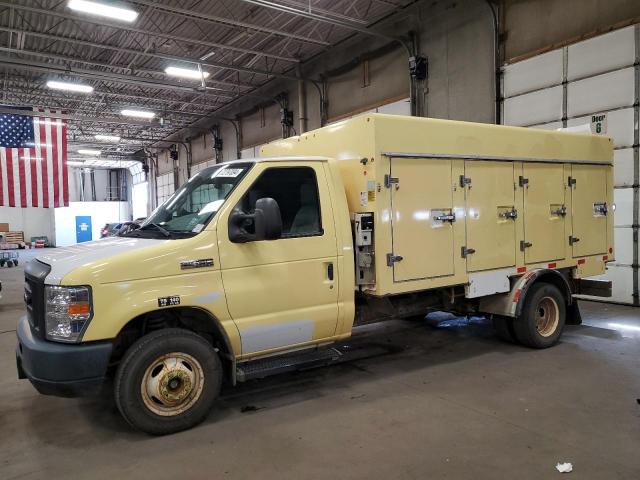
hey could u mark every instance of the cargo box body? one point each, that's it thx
(458, 203)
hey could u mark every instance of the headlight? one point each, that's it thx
(67, 312)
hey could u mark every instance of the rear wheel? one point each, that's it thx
(167, 381)
(543, 317)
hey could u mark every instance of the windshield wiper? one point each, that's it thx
(162, 230)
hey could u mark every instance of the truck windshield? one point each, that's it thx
(192, 206)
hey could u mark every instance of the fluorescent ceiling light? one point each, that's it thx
(138, 113)
(72, 87)
(71, 163)
(103, 10)
(107, 138)
(89, 152)
(185, 73)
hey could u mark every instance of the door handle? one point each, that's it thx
(330, 271)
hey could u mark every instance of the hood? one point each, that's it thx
(66, 259)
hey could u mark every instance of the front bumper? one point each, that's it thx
(66, 370)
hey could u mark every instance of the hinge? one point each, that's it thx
(573, 240)
(524, 245)
(465, 181)
(389, 181)
(571, 182)
(391, 259)
(467, 251)
(522, 181)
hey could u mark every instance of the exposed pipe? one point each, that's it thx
(302, 103)
(496, 60)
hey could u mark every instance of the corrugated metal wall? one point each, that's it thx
(570, 86)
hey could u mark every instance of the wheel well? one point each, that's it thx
(194, 319)
(553, 277)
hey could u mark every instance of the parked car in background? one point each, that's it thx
(110, 229)
(126, 227)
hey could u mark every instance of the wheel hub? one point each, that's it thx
(548, 316)
(172, 384)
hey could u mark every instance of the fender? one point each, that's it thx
(511, 304)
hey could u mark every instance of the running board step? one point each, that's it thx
(304, 360)
(286, 363)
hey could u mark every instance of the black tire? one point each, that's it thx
(135, 372)
(504, 328)
(10, 263)
(543, 316)
(2, 264)
(15, 263)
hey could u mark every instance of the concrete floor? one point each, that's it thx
(448, 401)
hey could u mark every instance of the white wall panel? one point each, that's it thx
(534, 108)
(623, 167)
(623, 241)
(622, 278)
(100, 213)
(548, 126)
(403, 107)
(532, 74)
(601, 54)
(623, 198)
(620, 126)
(600, 93)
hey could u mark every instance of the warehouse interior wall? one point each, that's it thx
(532, 26)
(363, 73)
(34, 222)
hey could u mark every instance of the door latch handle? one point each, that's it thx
(512, 214)
(560, 212)
(573, 240)
(330, 271)
(445, 218)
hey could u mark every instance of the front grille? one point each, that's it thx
(34, 274)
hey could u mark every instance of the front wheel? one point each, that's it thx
(543, 316)
(167, 381)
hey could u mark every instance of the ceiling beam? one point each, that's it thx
(208, 63)
(116, 121)
(228, 21)
(166, 36)
(308, 14)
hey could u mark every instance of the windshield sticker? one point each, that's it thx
(229, 173)
(198, 228)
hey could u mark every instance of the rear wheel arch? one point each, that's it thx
(194, 319)
(553, 277)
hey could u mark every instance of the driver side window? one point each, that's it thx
(296, 191)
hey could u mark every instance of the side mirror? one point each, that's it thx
(265, 223)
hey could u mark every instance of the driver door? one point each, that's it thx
(283, 293)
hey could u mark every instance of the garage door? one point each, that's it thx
(594, 83)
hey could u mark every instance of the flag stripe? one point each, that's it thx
(10, 183)
(3, 176)
(54, 162)
(22, 177)
(65, 167)
(44, 141)
(38, 152)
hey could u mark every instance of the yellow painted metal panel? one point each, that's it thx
(278, 291)
(490, 203)
(589, 197)
(419, 201)
(545, 212)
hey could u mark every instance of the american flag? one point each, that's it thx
(33, 160)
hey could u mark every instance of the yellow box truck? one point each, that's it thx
(257, 266)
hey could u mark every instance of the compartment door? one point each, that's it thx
(544, 212)
(590, 210)
(421, 206)
(491, 215)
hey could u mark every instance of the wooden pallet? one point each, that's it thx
(14, 237)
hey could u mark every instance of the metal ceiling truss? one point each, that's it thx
(253, 42)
